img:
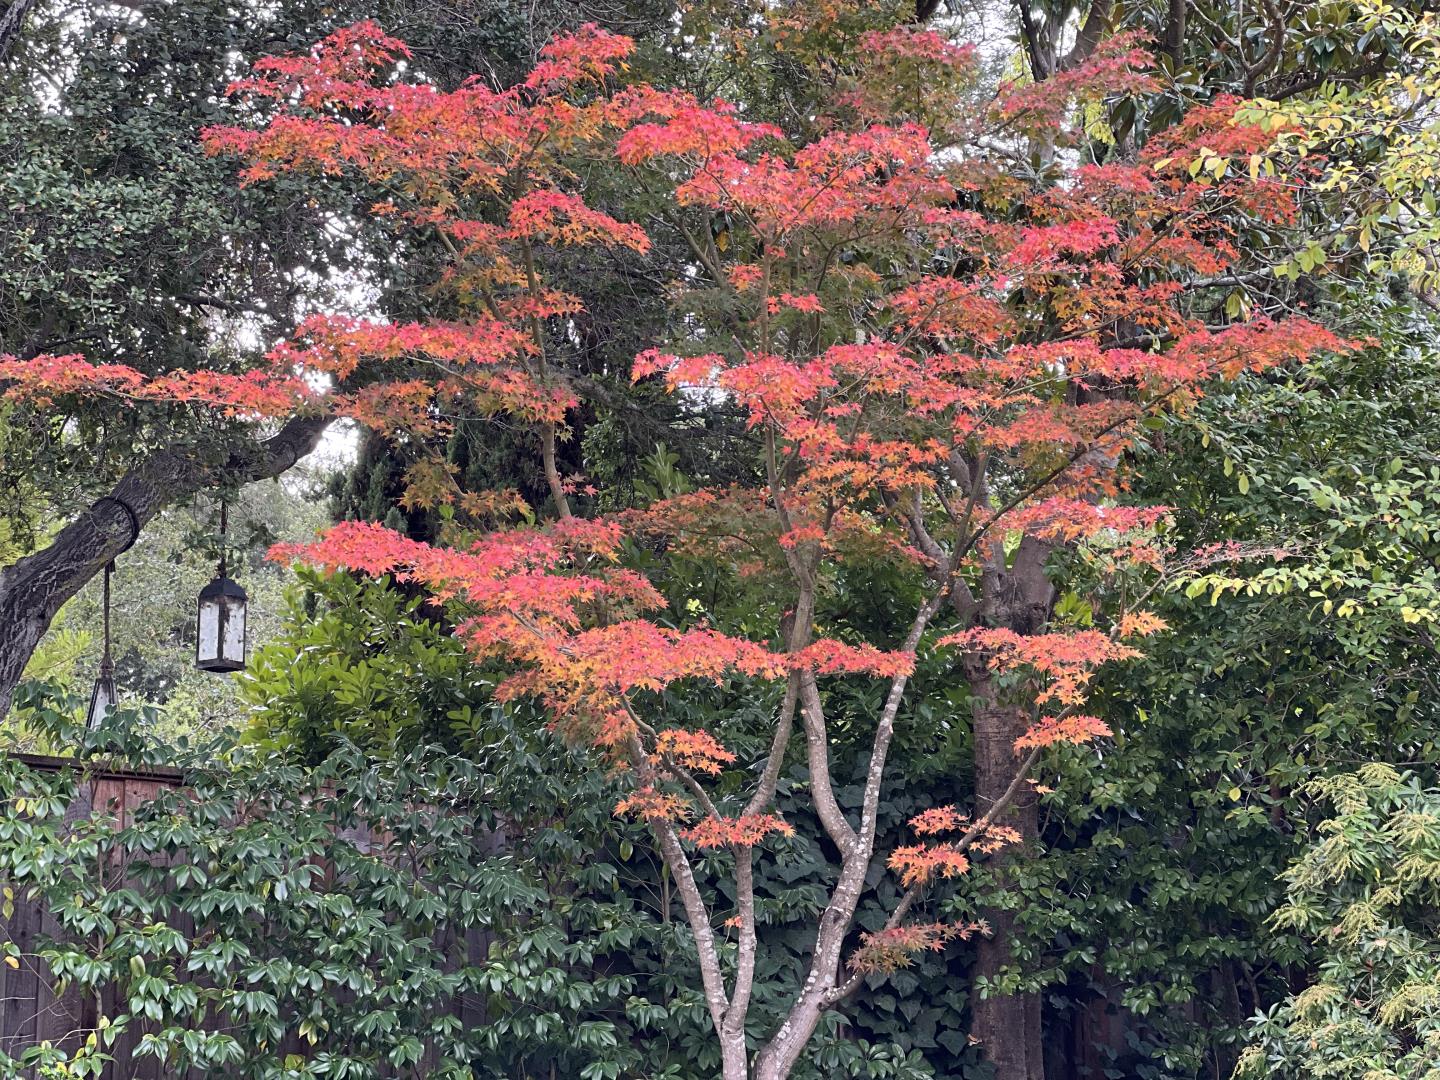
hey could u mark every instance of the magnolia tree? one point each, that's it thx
(942, 362)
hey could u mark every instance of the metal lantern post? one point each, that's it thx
(220, 618)
(103, 697)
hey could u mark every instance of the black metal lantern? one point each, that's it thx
(220, 618)
(103, 697)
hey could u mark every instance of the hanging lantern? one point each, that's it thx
(220, 618)
(103, 697)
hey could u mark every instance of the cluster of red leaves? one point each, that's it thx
(828, 183)
(451, 158)
(252, 394)
(1065, 660)
(473, 133)
(1067, 519)
(1118, 66)
(648, 804)
(919, 863)
(850, 412)
(1051, 730)
(696, 750)
(676, 125)
(1209, 129)
(1140, 624)
(829, 657)
(886, 951)
(903, 43)
(747, 830)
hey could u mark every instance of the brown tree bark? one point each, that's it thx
(1020, 598)
(1008, 1027)
(33, 589)
(1174, 39)
(11, 21)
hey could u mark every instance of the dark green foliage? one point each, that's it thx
(351, 919)
(1167, 853)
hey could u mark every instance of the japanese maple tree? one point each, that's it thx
(942, 363)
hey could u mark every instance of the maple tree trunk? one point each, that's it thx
(33, 589)
(822, 988)
(778, 1058)
(734, 1058)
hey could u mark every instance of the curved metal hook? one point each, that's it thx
(129, 513)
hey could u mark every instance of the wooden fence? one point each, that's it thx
(29, 1011)
(27, 1004)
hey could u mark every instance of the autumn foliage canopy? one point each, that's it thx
(936, 359)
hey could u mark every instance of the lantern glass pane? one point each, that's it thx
(209, 630)
(233, 645)
(102, 700)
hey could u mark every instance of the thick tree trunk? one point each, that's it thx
(33, 589)
(1091, 32)
(1174, 40)
(1020, 598)
(11, 21)
(1008, 1027)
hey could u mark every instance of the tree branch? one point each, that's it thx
(1306, 83)
(1271, 56)
(784, 727)
(10, 23)
(907, 901)
(817, 744)
(33, 589)
(1091, 32)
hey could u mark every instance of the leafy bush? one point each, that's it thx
(358, 918)
(1366, 894)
